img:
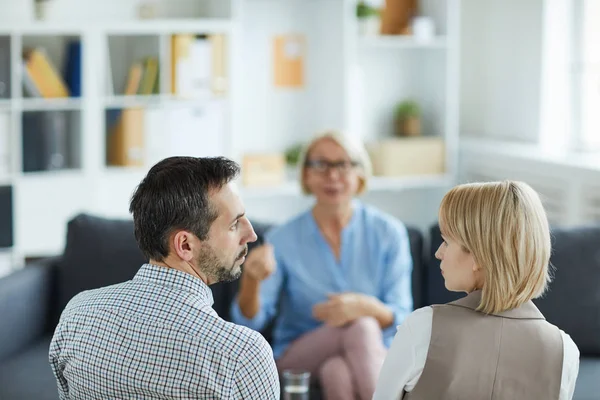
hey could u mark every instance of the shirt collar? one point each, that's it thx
(175, 279)
(528, 310)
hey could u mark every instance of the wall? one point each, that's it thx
(275, 118)
(501, 61)
(566, 182)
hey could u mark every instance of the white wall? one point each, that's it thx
(501, 61)
(274, 118)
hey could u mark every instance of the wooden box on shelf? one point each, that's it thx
(408, 156)
(263, 169)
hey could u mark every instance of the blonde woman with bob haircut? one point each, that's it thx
(339, 275)
(493, 343)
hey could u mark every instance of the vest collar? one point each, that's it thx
(526, 311)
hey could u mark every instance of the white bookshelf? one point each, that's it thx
(258, 116)
(438, 42)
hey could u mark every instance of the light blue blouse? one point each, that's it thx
(375, 259)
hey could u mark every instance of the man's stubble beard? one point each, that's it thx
(216, 269)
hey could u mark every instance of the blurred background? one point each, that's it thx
(93, 93)
(441, 92)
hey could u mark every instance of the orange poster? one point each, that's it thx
(288, 55)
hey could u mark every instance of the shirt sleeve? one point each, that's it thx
(570, 368)
(256, 376)
(406, 357)
(270, 289)
(397, 282)
(55, 365)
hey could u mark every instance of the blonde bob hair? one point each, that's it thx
(505, 227)
(355, 150)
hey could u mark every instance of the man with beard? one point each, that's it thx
(157, 336)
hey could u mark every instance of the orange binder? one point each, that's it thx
(44, 75)
(126, 140)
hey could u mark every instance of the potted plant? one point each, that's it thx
(369, 21)
(292, 154)
(408, 118)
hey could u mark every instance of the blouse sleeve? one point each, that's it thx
(270, 290)
(406, 357)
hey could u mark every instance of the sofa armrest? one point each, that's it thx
(25, 306)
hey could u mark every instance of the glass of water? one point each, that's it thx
(296, 384)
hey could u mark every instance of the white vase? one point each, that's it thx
(369, 26)
(43, 9)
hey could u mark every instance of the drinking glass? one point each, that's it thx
(296, 385)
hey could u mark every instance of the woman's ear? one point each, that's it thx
(474, 265)
(362, 185)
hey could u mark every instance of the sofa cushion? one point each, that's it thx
(573, 299)
(25, 299)
(28, 375)
(99, 252)
(416, 250)
(588, 384)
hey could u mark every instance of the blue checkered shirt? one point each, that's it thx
(157, 337)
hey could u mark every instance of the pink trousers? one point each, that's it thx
(345, 360)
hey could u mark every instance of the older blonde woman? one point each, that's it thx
(339, 274)
(494, 343)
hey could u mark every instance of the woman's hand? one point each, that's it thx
(260, 263)
(343, 308)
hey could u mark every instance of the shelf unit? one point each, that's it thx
(391, 42)
(351, 84)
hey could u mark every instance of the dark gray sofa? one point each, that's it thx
(101, 252)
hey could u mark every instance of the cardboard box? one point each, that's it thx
(408, 156)
(263, 169)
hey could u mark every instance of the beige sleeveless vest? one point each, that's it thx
(514, 355)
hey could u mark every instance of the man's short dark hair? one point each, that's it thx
(175, 195)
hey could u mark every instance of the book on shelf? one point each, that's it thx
(149, 82)
(219, 64)
(6, 216)
(143, 78)
(198, 66)
(45, 141)
(133, 79)
(5, 85)
(5, 144)
(43, 74)
(125, 144)
(72, 72)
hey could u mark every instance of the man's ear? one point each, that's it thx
(183, 245)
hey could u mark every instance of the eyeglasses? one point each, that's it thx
(323, 166)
